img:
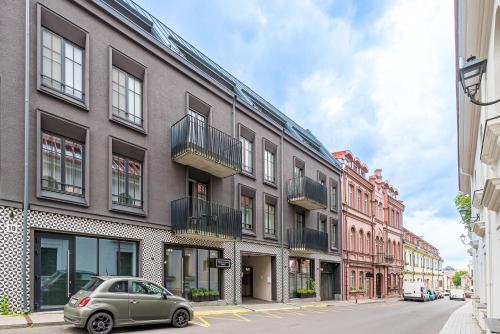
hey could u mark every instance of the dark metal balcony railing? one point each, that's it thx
(305, 188)
(196, 216)
(307, 239)
(193, 135)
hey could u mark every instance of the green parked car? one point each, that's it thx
(108, 302)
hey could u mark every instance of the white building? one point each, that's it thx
(477, 24)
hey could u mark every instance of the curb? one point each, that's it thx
(205, 313)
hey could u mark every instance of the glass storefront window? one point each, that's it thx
(203, 273)
(85, 260)
(108, 257)
(82, 257)
(299, 274)
(127, 265)
(173, 271)
(190, 268)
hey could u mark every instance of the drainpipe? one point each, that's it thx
(26, 157)
(233, 116)
(281, 218)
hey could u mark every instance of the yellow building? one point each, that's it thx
(422, 262)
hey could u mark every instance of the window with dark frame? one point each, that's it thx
(322, 223)
(247, 155)
(246, 206)
(62, 165)
(333, 197)
(334, 234)
(269, 219)
(62, 65)
(269, 166)
(126, 181)
(127, 96)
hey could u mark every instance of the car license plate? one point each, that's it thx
(73, 301)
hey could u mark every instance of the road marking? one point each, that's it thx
(242, 317)
(202, 323)
(267, 315)
(289, 312)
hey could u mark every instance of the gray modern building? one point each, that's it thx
(146, 158)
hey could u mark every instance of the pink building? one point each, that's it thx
(372, 221)
(388, 232)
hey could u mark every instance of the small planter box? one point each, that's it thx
(306, 295)
(197, 299)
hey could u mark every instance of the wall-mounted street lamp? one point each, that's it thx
(470, 78)
(462, 238)
(463, 215)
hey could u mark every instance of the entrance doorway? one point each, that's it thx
(327, 281)
(247, 282)
(378, 284)
(257, 282)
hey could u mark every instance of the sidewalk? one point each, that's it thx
(461, 322)
(55, 318)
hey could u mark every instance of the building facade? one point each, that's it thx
(477, 33)
(372, 222)
(422, 262)
(146, 158)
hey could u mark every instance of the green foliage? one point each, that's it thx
(195, 293)
(457, 277)
(304, 291)
(463, 201)
(311, 285)
(214, 293)
(4, 306)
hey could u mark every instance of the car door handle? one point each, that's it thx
(134, 301)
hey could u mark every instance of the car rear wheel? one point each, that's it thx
(180, 318)
(100, 323)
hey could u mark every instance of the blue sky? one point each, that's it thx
(374, 77)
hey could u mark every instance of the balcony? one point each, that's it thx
(200, 219)
(383, 260)
(199, 145)
(308, 240)
(307, 193)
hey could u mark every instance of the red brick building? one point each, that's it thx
(372, 219)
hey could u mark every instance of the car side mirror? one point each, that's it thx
(164, 294)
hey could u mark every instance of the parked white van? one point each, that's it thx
(415, 291)
(457, 294)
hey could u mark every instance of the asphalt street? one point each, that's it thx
(393, 317)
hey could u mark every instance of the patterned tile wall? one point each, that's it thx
(151, 242)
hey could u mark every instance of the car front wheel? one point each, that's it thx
(180, 318)
(100, 323)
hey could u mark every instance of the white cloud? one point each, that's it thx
(440, 232)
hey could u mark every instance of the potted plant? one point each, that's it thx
(205, 294)
(196, 295)
(311, 287)
(214, 295)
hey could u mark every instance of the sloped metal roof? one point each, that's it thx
(142, 19)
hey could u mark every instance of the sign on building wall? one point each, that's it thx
(223, 263)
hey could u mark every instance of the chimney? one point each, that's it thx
(378, 173)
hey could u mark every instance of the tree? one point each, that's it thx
(463, 202)
(457, 277)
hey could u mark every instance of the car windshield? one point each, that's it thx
(92, 284)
